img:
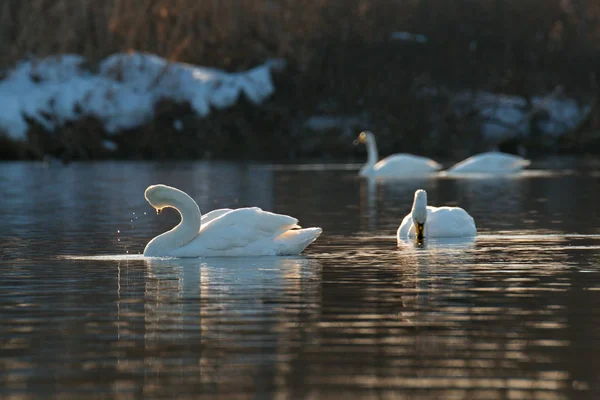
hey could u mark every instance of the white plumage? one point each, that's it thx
(491, 162)
(224, 232)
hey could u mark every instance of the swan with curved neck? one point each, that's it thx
(224, 232)
(396, 165)
(426, 221)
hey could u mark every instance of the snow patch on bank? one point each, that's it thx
(122, 93)
(506, 116)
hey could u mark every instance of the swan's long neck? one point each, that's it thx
(419, 208)
(419, 213)
(186, 231)
(372, 156)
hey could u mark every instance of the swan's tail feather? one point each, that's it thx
(293, 242)
(523, 164)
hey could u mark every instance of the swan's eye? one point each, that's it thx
(158, 211)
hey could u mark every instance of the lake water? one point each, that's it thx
(514, 314)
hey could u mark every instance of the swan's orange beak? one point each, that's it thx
(420, 228)
(362, 138)
(158, 211)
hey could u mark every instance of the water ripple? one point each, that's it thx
(512, 313)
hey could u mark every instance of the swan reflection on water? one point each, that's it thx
(197, 306)
(437, 254)
(445, 245)
(206, 276)
(433, 262)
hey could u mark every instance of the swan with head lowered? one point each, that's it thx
(435, 222)
(224, 232)
(396, 165)
(492, 162)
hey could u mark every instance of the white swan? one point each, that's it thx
(396, 165)
(224, 232)
(493, 162)
(427, 221)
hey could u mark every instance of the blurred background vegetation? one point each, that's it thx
(341, 59)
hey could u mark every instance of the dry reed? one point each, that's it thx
(237, 33)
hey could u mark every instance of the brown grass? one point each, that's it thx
(235, 34)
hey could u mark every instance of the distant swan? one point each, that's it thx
(427, 221)
(396, 165)
(493, 162)
(224, 232)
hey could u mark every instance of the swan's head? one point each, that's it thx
(363, 138)
(419, 213)
(160, 196)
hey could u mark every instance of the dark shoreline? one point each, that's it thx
(267, 132)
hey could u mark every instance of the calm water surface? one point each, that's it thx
(514, 314)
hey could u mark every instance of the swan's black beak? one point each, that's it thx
(158, 211)
(420, 228)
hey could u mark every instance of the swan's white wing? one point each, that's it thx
(206, 218)
(241, 227)
(406, 228)
(449, 222)
(491, 162)
(405, 164)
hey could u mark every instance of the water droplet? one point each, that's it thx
(144, 212)
(118, 240)
(134, 213)
(118, 231)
